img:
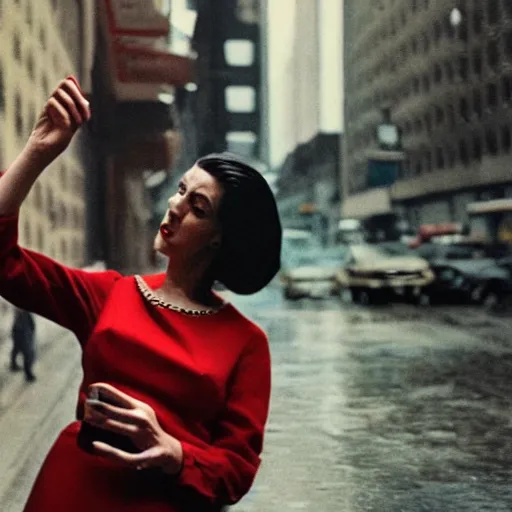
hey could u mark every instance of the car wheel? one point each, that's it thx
(492, 301)
(288, 295)
(424, 299)
(362, 296)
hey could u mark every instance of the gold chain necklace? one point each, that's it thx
(153, 299)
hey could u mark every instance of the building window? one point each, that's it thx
(464, 109)
(426, 42)
(428, 123)
(32, 120)
(450, 157)
(42, 37)
(417, 126)
(492, 95)
(2, 92)
(27, 233)
(493, 11)
(239, 52)
(440, 158)
(416, 84)
(477, 103)
(463, 152)
(38, 196)
(451, 116)
(506, 140)
(508, 44)
(40, 238)
(477, 148)
(463, 68)
(438, 74)
(30, 66)
(493, 56)
(45, 86)
(506, 82)
(64, 249)
(426, 83)
(240, 98)
(448, 69)
(492, 142)
(28, 14)
(428, 161)
(477, 63)
(19, 115)
(437, 31)
(63, 177)
(477, 21)
(16, 47)
(414, 45)
(439, 113)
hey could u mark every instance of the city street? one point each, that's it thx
(396, 408)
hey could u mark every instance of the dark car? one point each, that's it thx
(485, 280)
(433, 252)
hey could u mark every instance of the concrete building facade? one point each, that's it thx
(443, 68)
(39, 50)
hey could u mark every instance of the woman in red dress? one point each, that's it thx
(176, 382)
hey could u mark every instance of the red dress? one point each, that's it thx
(207, 378)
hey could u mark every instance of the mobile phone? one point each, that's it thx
(89, 433)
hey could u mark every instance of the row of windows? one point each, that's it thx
(61, 215)
(494, 141)
(496, 52)
(66, 249)
(489, 12)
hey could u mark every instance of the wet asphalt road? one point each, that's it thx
(389, 409)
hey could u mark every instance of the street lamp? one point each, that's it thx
(455, 17)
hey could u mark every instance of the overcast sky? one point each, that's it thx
(281, 15)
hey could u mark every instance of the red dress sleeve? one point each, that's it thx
(72, 298)
(224, 471)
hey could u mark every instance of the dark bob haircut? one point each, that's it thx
(250, 253)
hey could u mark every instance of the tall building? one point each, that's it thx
(442, 72)
(227, 40)
(304, 45)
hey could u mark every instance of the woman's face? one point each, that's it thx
(190, 226)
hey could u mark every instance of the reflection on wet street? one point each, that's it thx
(385, 410)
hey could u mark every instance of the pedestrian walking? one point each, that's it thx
(23, 342)
(176, 381)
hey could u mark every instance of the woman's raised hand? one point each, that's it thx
(65, 111)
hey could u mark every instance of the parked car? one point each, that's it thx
(312, 273)
(434, 252)
(374, 274)
(483, 281)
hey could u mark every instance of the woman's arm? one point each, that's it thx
(62, 115)
(29, 280)
(224, 471)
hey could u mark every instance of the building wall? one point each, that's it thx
(35, 56)
(449, 89)
(294, 75)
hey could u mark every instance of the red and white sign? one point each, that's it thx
(138, 64)
(136, 17)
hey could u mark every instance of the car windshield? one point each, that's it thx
(319, 256)
(370, 252)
